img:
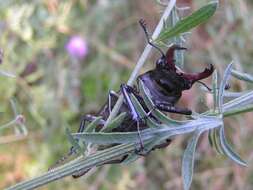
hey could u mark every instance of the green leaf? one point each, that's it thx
(215, 91)
(204, 123)
(74, 142)
(188, 160)
(224, 81)
(159, 115)
(115, 137)
(242, 76)
(234, 94)
(239, 103)
(228, 151)
(244, 109)
(138, 107)
(213, 137)
(115, 122)
(93, 125)
(198, 17)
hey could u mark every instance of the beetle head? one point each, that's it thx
(167, 62)
(188, 79)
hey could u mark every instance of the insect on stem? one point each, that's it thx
(143, 57)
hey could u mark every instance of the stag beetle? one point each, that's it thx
(165, 83)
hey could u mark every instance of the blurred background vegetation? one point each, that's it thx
(52, 88)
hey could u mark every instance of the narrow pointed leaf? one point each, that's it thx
(115, 122)
(228, 151)
(93, 125)
(142, 112)
(74, 142)
(234, 94)
(188, 160)
(224, 81)
(239, 102)
(159, 115)
(198, 17)
(242, 76)
(150, 133)
(215, 91)
(115, 137)
(213, 137)
(245, 109)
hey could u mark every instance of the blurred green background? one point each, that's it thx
(52, 89)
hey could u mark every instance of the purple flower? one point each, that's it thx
(77, 47)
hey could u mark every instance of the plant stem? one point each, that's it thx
(143, 58)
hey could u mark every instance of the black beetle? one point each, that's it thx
(165, 83)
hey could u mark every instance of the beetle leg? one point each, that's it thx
(88, 118)
(227, 86)
(83, 172)
(159, 146)
(162, 145)
(111, 93)
(164, 106)
(120, 160)
(126, 90)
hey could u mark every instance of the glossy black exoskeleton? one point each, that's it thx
(165, 83)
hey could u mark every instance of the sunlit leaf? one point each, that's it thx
(242, 76)
(160, 131)
(224, 81)
(198, 17)
(115, 122)
(239, 103)
(159, 115)
(115, 137)
(74, 142)
(234, 94)
(93, 125)
(188, 160)
(244, 109)
(213, 137)
(228, 151)
(215, 91)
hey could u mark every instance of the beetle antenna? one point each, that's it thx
(208, 88)
(144, 27)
